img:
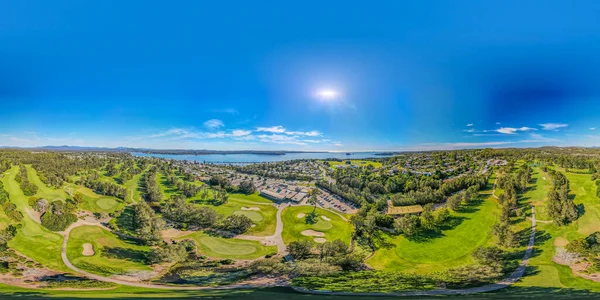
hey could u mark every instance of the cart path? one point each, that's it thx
(276, 238)
(66, 261)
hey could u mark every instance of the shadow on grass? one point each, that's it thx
(125, 253)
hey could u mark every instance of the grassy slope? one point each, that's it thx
(101, 241)
(453, 248)
(293, 226)
(544, 272)
(32, 239)
(218, 247)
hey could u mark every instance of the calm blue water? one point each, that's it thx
(258, 158)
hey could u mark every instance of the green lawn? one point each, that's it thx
(34, 241)
(264, 219)
(217, 247)
(112, 255)
(448, 249)
(335, 229)
(97, 203)
(44, 191)
(546, 273)
(134, 190)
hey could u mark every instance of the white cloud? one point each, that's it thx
(553, 126)
(469, 130)
(510, 130)
(272, 129)
(338, 145)
(240, 132)
(469, 125)
(498, 123)
(279, 139)
(213, 124)
(592, 128)
(281, 129)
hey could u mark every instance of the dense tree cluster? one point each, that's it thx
(28, 188)
(561, 208)
(152, 193)
(146, 224)
(280, 170)
(247, 187)
(59, 215)
(93, 182)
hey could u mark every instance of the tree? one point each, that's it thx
(409, 225)
(146, 223)
(236, 223)
(300, 249)
(427, 219)
(313, 199)
(247, 187)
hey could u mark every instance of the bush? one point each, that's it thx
(57, 222)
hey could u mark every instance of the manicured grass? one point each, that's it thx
(34, 241)
(134, 189)
(356, 162)
(544, 272)
(264, 219)
(129, 256)
(44, 191)
(218, 247)
(293, 226)
(444, 250)
(94, 202)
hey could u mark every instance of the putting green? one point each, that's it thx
(293, 226)
(253, 215)
(218, 247)
(106, 203)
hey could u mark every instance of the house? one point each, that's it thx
(403, 210)
(273, 195)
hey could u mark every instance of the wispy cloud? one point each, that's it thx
(281, 129)
(241, 132)
(553, 126)
(272, 129)
(469, 125)
(510, 130)
(592, 128)
(213, 124)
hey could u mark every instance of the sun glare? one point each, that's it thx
(327, 94)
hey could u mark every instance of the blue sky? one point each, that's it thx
(247, 74)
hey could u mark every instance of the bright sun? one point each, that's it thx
(327, 94)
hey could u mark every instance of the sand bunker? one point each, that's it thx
(311, 232)
(325, 218)
(88, 249)
(301, 215)
(560, 242)
(250, 208)
(320, 240)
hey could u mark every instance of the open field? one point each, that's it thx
(218, 247)
(294, 223)
(440, 251)
(111, 256)
(32, 239)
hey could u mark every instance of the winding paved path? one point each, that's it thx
(275, 238)
(514, 277)
(66, 261)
